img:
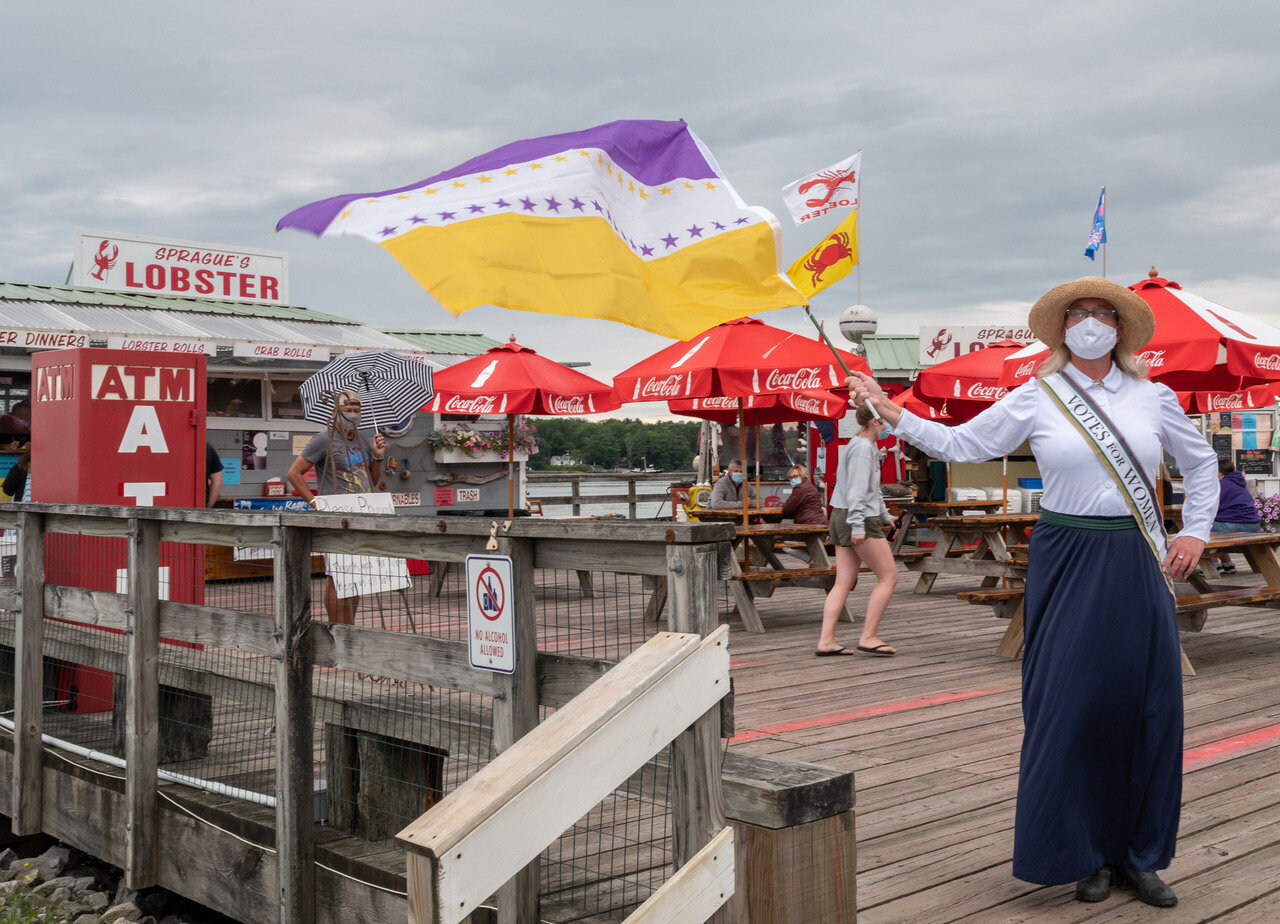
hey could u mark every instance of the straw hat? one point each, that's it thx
(1137, 323)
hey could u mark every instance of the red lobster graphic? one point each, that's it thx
(103, 262)
(831, 179)
(940, 342)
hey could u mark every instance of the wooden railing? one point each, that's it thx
(634, 490)
(690, 556)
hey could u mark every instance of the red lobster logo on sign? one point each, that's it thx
(831, 180)
(104, 261)
(940, 342)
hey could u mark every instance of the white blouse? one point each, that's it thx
(1075, 480)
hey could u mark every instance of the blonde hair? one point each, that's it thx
(801, 470)
(1060, 356)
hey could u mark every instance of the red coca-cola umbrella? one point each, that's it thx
(511, 379)
(1214, 357)
(736, 359)
(948, 411)
(760, 410)
(968, 378)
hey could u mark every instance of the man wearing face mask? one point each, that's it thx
(345, 463)
(728, 490)
(1100, 779)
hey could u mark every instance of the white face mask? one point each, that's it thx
(1091, 339)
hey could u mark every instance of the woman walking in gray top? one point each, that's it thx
(858, 516)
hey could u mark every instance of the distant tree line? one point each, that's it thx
(666, 445)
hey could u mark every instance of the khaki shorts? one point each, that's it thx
(841, 534)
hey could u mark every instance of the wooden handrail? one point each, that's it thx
(466, 845)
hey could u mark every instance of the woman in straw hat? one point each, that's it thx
(1100, 781)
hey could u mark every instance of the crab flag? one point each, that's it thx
(832, 259)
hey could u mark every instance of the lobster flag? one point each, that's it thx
(834, 188)
(832, 259)
(631, 222)
(1098, 236)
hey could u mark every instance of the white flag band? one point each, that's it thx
(815, 195)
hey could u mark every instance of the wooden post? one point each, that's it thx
(575, 496)
(697, 802)
(295, 796)
(517, 714)
(142, 705)
(631, 498)
(28, 716)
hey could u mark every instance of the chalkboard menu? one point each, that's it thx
(1253, 461)
(1222, 445)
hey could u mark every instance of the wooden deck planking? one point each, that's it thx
(936, 783)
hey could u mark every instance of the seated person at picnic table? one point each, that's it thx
(804, 505)
(728, 490)
(1237, 511)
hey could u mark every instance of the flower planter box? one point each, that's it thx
(456, 457)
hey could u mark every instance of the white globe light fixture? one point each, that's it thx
(855, 322)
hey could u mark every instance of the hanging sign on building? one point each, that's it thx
(939, 343)
(299, 351)
(189, 269)
(161, 345)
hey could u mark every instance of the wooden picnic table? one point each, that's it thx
(747, 583)
(1259, 550)
(734, 514)
(913, 510)
(991, 559)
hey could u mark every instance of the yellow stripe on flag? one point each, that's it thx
(831, 260)
(580, 267)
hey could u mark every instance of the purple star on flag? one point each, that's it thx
(599, 207)
(647, 250)
(475, 207)
(528, 204)
(553, 205)
(670, 240)
(417, 221)
(387, 232)
(503, 204)
(446, 216)
(577, 203)
(742, 221)
(719, 227)
(694, 231)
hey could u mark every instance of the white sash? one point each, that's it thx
(1114, 454)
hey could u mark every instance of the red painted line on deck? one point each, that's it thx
(1227, 748)
(734, 665)
(864, 713)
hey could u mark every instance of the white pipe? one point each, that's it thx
(219, 789)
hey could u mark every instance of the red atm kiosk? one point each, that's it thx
(116, 427)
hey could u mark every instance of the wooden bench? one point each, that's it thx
(1192, 610)
(786, 574)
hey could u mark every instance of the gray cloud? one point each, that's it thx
(987, 129)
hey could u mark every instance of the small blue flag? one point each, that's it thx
(1099, 235)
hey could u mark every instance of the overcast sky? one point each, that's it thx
(986, 128)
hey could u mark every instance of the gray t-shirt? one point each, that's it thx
(342, 465)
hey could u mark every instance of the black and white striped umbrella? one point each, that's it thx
(390, 387)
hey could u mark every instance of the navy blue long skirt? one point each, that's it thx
(1101, 774)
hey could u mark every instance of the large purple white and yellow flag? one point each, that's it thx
(631, 221)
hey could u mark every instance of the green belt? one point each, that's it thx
(1066, 519)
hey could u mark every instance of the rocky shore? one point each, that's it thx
(62, 885)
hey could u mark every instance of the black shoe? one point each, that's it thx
(1148, 887)
(1096, 887)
